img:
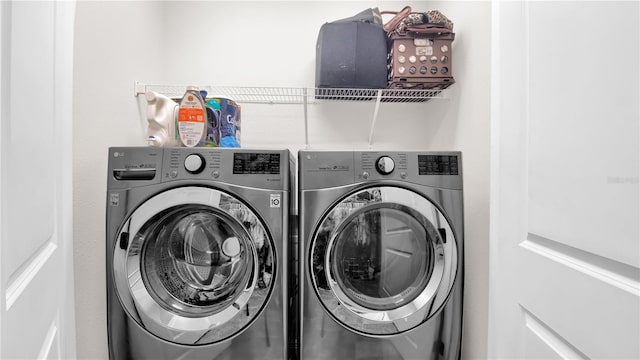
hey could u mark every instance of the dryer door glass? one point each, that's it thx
(381, 257)
(194, 265)
(383, 260)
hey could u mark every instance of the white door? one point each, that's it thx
(36, 267)
(565, 248)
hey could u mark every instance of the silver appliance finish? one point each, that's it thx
(197, 253)
(380, 254)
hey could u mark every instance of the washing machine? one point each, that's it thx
(197, 252)
(381, 254)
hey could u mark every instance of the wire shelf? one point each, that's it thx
(281, 95)
(301, 96)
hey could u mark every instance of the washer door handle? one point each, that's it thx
(124, 240)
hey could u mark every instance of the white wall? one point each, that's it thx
(264, 44)
(115, 43)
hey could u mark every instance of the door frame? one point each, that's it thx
(508, 170)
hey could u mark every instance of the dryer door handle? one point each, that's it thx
(443, 234)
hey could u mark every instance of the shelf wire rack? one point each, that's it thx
(291, 95)
(301, 96)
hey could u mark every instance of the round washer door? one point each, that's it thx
(194, 265)
(383, 260)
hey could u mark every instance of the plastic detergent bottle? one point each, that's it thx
(192, 118)
(229, 122)
(213, 119)
(161, 118)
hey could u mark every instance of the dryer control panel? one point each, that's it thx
(383, 164)
(323, 169)
(438, 165)
(439, 169)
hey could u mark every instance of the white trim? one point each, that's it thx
(4, 30)
(553, 340)
(28, 272)
(64, 23)
(45, 351)
(494, 181)
(583, 262)
(507, 172)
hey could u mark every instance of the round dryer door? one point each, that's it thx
(194, 265)
(383, 260)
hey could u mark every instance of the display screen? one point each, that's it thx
(256, 163)
(437, 165)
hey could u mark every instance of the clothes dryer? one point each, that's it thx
(196, 250)
(381, 254)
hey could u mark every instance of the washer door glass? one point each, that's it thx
(383, 260)
(194, 265)
(196, 259)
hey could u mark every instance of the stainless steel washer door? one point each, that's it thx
(194, 265)
(383, 260)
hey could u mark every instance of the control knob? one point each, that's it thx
(385, 165)
(194, 163)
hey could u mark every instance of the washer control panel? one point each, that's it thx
(194, 163)
(268, 169)
(258, 168)
(189, 163)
